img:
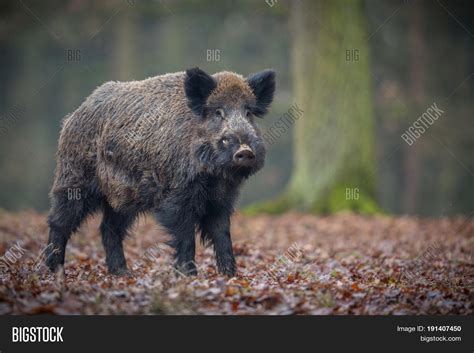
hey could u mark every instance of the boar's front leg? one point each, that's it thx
(181, 226)
(114, 229)
(215, 227)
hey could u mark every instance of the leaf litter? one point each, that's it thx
(289, 264)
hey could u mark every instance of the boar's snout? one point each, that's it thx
(244, 157)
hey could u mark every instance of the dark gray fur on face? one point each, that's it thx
(179, 145)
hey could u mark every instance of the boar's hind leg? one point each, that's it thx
(215, 227)
(114, 229)
(68, 210)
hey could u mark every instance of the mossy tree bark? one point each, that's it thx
(334, 141)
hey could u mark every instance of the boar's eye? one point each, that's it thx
(220, 113)
(225, 141)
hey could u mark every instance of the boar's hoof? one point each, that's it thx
(187, 269)
(227, 267)
(53, 266)
(57, 269)
(121, 272)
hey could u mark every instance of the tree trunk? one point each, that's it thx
(334, 140)
(412, 160)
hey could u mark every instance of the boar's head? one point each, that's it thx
(229, 142)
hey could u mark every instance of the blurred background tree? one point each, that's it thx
(334, 161)
(411, 54)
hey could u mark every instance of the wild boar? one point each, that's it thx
(178, 145)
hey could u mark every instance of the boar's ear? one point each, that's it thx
(263, 87)
(198, 85)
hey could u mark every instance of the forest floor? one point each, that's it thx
(289, 264)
